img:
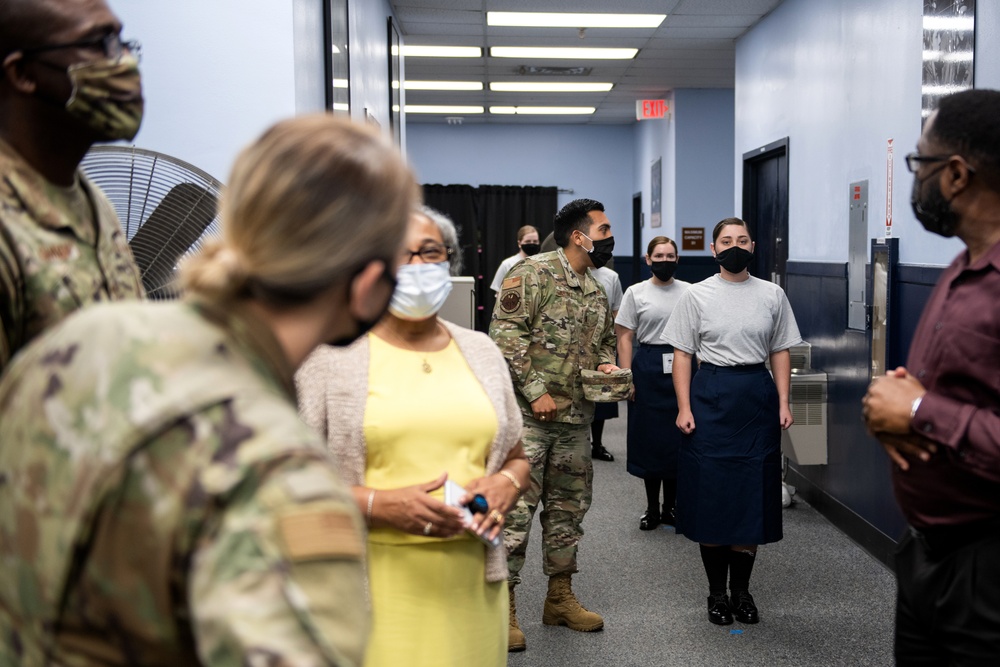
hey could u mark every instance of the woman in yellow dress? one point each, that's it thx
(417, 403)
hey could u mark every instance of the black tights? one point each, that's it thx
(596, 433)
(653, 493)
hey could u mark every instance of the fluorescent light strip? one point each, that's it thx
(341, 106)
(411, 51)
(950, 23)
(560, 20)
(945, 57)
(443, 85)
(438, 108)
(340, 83)
(538, 87)
(945, 89)
(562, 53)
(543, 111)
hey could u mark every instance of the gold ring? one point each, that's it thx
(496, 516)
(428, 528)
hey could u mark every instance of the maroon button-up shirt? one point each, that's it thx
(956, 356)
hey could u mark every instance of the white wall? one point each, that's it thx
(215, 74)
(595, 161)
(840, 78)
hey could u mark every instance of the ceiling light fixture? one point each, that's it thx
(543, 111)
(568, 20)
(412, 51)
(440, 108)
(443, 85)
(561, 52)
(541, 87)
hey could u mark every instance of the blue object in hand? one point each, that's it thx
(478, 504)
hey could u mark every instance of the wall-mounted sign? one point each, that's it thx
(646, 109)
(692, 238)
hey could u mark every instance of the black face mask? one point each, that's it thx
(663, 270)
(530, 249)
(933, 211)
(364, 326)
(601, 252)
(734, 259)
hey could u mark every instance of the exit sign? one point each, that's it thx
(646, 109)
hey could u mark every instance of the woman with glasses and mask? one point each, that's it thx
(653, 438)
(415, 404)
(527, 245)
(732, 413)
(177, 509)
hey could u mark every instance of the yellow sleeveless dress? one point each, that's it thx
(431, 603)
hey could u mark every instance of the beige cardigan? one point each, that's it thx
(333, 391)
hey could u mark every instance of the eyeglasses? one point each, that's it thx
(430, 253)
(914, 160)
(111, 44)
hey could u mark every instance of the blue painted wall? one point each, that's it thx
(840, 78)
(595, 161)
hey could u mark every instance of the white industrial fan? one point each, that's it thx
(166, 207)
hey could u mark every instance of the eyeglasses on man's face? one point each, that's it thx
(914, 160)
(429, 253)
(111, 45)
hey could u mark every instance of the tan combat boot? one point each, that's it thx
(515, 638)
(562, 607)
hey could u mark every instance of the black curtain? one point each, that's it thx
(489, 217)
(458, 202)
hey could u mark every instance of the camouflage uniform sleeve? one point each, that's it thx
(609, 342)
(511, 327)
(278, 580)
(10, 295)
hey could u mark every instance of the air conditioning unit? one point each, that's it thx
(805, 441)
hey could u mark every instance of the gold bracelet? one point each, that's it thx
(513, 480)
(371, 503)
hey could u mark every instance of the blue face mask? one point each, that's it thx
(421, 290)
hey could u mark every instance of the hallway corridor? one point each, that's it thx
(823, 601)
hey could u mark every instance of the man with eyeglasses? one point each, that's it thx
(939, 417)
(67, 82)
(552, 321)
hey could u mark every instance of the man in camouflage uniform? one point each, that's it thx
(165, 505)
(67, 82)
(551, 321)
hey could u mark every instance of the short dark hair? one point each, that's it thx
(729, 221)
(23, 23)
(966, 123)
(573, 216)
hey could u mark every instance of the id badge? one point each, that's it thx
(668, 363)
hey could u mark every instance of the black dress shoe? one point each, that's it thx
(744, 609)
(718, 609)
(599, 453)
(649, 520)
(668, 516)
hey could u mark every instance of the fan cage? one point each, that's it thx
(167, 208)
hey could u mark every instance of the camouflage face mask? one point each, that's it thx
(107, 96)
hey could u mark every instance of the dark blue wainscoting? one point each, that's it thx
(854, 489)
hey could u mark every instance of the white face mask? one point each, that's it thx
(421, 290)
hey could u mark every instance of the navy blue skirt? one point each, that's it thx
(604, 411)
(729, 479)
(653, 436)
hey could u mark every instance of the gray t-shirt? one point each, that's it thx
(646, 308)
(612, 286)
(505, 267)
(732, 324)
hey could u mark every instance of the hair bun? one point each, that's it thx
(216, 271)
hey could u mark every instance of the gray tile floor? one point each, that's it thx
(823, 601)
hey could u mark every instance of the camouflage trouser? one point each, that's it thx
(562, 478)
